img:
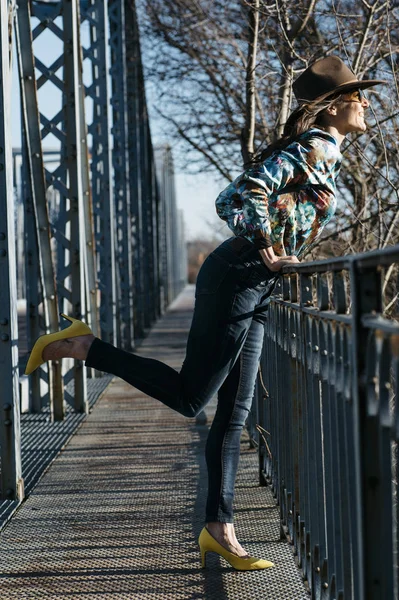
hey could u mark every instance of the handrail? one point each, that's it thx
(363, 259)
(328, 411)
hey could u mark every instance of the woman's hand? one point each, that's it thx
(284, 261)
(275, 263)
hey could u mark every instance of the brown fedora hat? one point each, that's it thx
(328, 76)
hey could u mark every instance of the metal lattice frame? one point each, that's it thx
(137, 174)
(71, 228)
(165, 219)
(74, 151)
(94, 12)
(172, 252)
(123, 164)
(11, 480)
(61, 228)
(37, 220)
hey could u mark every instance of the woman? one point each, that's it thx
(276, 209)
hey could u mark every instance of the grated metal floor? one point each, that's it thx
(118, 513)
(42, 440)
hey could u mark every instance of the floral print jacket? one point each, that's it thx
(289, 198)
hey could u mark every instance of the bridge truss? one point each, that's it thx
(99, 235)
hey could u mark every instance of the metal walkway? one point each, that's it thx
(118, 513)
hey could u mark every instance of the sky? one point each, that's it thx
(195, 194)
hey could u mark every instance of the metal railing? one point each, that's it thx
(327, 423)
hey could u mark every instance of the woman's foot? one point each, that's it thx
(224, 534)
(76, 347)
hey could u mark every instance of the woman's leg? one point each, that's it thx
(222, 316)
(223, 444)
(226, 309)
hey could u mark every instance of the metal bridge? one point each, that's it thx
(89, 226)
(92, 203)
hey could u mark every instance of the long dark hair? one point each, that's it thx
(300, 120)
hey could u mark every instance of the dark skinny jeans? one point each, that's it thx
(223, 351)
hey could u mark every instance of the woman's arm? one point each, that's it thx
(244, 204)
(262, 237)
(257, 186)
(275, 263)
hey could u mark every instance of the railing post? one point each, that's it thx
(366, 299)
(306, 296)
(11, 482)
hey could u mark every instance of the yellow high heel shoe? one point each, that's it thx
(36, 356)
(208, 543)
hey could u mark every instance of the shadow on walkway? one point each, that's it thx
(118, 513)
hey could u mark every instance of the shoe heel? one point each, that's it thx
(203, 560)
(67, 318)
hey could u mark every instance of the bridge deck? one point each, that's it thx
(118, 512)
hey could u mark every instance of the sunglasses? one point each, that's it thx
(355, 96)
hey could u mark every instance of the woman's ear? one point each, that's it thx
(332, 110)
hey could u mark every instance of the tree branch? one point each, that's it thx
(196, 146)
(248, 132)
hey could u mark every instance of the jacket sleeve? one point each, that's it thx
(244, 204)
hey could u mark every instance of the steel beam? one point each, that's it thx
(136, 173)
(75, 148)
(11, 482)
(89, 255)
(68, 183)
(38, 382)
(36, 202)
(95, 13)
(124, 165)
(136, 255)
(171, 256)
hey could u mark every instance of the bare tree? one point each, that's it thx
(222, 78)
